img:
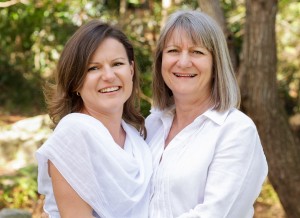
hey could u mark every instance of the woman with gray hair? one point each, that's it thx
(207, 155)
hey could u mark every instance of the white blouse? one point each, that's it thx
(213, 168)
(113, 181)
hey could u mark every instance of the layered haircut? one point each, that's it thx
(61, 97)
(203, 31)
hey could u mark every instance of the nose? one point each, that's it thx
(184, 60)
(108, 74)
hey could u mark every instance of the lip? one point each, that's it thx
(109, 89)
(184, 75)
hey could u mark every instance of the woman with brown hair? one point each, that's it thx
(96, 163)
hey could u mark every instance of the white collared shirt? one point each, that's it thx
(213, 168)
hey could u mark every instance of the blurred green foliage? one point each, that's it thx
(288, 46)
(268, 194)
(32, 36)
(33, 33)
(19, 190)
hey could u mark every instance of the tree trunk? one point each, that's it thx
(213, 9)
(260, 100)
(122, 12)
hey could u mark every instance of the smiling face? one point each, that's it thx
(186, 67)
(108, 83)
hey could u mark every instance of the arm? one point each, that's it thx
(235, 175)
(69, 203)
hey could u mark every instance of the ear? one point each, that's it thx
(132, 68)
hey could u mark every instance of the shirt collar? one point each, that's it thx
(212, 114)
(216, 116)
(168, 112)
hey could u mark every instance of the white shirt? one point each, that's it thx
(213, 168)
(113, 181)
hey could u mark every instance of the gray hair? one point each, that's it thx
(203, 30)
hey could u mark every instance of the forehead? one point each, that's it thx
(110, 42)
(109, 47)
(182, 35)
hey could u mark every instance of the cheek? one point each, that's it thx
(84, 86)
(166, 61)
(89, 79)
(129, 83)
(129, 89)
(165, 66)
(205, 65)
(210, 64)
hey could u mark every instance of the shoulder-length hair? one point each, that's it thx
(61, 98)
(204, 31)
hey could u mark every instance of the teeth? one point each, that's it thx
(110, 89)
(184, 75)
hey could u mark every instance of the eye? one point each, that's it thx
(118, 64)
(172, 50)
(92, 68)
(198, 52)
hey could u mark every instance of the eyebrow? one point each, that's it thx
(193, 46)
(115, 59)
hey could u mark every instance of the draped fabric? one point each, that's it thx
(112, 180)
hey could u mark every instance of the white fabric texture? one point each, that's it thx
(113, 181)
(213, 168)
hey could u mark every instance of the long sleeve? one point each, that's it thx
(235, 175)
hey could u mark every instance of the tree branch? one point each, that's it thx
(11, 2)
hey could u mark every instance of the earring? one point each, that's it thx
(77, 93)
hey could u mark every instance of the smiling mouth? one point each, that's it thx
(184, 75)
(110, 89)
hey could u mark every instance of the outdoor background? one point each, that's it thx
(264, 41)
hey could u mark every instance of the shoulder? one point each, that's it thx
(231, 118)
(239, 127)
(154, 116)
(231, 123)
(75, 127)
(237, 136)
(157, 114)
(77, 121)
(237, 117)
(73, 119)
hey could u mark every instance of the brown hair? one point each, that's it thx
(71, 71)
(202, 30)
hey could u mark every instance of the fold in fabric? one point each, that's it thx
(112, 180)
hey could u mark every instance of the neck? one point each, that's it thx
(113, 123)
(186, 112)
